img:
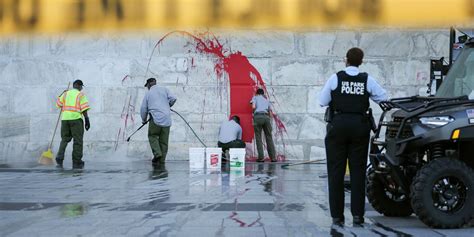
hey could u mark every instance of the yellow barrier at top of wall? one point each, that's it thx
(84, 15)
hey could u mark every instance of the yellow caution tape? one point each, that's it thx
(79, 15)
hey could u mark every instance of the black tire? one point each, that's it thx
(456, 179)
(381, 201)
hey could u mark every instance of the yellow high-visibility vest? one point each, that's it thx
(72, 103)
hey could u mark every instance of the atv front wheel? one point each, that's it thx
(443, 193)
(386, 202)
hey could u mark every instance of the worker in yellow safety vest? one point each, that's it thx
(74, 105)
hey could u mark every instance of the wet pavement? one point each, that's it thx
(132, 199)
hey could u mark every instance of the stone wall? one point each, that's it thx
(295, 65)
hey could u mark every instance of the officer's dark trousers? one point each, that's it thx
(347, 138)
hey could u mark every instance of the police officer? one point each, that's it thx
(347, 94)
(230, 134)
(74, 105)
(157, 103)
(261, 121)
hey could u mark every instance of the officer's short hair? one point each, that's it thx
(260, 91)
(236, 119)
(354, 57)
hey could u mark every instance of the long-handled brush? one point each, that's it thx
(47, 156)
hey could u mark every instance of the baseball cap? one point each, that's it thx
(78, 82)
(149, 80)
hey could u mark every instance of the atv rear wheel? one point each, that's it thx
(443, 193)
(383, 200)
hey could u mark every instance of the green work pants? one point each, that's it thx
(262, 122)
(158, 137)
(71, 129)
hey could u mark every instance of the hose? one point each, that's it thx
(192, 130)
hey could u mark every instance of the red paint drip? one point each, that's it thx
(125, 78)
(127, 115)
(244, 79)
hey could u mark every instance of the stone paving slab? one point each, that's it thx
(132, 199)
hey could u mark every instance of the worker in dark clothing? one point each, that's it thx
(157, 103)
(347, 94)
(230, 135)
(261, 121)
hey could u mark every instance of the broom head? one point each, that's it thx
(46, 158)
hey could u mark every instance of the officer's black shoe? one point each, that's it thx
(274, 160)
(78, 164)
(59, 163)
(338, 221)
(357, 220)
(260, 160)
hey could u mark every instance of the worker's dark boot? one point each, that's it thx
(260, 160)
(59, 163)
(159, 171)
(78, 164)
(357, 220)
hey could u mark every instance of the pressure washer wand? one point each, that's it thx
(128, 139)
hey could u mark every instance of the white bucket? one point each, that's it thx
(196, 158)
(237, 158)
(213, 158)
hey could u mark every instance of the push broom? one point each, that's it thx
(47, 156)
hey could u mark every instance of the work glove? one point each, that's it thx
(144, 122)
(88, 124)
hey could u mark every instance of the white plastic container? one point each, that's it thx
(213, 158)
(237, 158)
(196, 158)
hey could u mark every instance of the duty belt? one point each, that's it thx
(358, 113)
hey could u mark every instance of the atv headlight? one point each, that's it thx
(436, 121)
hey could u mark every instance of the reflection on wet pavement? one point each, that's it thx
(73, 210)
(133, 199)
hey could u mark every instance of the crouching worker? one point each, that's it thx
(230, 135)
(157, 103)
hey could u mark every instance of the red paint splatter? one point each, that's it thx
(128, 111)
(235, 217)
(244, 79)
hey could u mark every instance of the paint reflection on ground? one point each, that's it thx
(113, 199)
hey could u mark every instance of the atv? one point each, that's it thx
(422, 153)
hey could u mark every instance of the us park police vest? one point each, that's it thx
(351, 95)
